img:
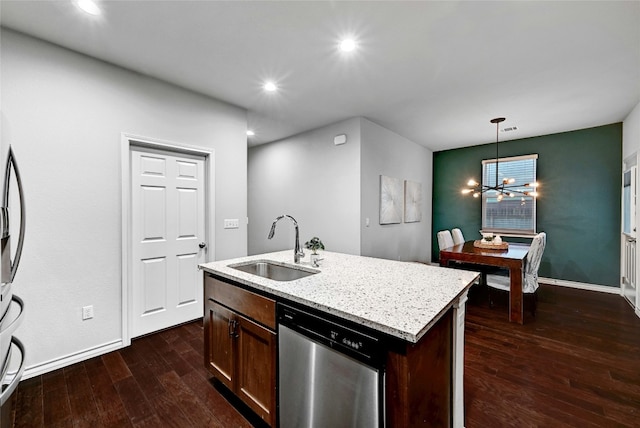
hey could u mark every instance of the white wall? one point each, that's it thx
(631, 146)
(311, 179)
(295, 175)
(64, 114)
(387, 153)
(631, 133)
(631, 143)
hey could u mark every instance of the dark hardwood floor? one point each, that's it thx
(576, 364)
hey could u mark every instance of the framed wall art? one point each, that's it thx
(391, 200)
(412, 201)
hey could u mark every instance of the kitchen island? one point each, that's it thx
(418, 309)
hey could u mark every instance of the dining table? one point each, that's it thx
(512, 258)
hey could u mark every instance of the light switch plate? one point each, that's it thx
(231, 223)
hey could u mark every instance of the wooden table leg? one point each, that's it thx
(515, 295)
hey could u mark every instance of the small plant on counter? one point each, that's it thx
(314, 244)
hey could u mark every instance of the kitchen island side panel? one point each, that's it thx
(419, 379)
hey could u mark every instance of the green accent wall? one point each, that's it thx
(579, 204)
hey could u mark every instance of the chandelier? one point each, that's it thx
(505, 188)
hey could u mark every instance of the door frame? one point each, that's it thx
(630, 161)
(130, 142)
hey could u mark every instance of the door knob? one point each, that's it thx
(202, 245)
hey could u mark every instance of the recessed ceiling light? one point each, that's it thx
(347, 45)
(250, 133)
(89, 6)
(270, 87)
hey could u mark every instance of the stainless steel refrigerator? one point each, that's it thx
(12, 228)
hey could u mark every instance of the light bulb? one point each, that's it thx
(500, 197)
(475, 195)
(466, 191)
(270, 87)
(511, 180)
(472, 182)
(250, 133)
(89, 6)
(347, 45)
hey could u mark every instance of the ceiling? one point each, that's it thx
(433, 72)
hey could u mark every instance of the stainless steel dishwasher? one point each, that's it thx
(330, 374)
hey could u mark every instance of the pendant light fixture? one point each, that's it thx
(503, 188)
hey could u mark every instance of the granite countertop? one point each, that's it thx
(402, 299)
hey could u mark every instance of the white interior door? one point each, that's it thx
(168, 235)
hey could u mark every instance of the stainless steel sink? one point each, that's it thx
(273, 271)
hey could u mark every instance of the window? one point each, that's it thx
(512, 215)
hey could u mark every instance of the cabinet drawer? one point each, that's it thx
(254, 306)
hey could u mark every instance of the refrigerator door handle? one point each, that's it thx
(11, 163)
(4, 219)
(15, 377)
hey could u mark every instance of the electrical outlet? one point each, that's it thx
(231, 223)
(87, 312)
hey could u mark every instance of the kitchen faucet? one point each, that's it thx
(297, 251)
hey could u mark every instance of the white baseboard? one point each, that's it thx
(580, 285)
(70, 359)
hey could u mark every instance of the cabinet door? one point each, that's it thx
(256, 375)
(220, 332)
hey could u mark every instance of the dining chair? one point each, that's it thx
(458, 238)
(445, 240)
(530, 280)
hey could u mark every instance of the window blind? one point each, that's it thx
(517, 214)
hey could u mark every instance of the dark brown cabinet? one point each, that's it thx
(240, 344)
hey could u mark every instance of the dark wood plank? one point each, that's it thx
(168, 410)
(84, 411)
(177, 363)
(108, 401)
(53, 381)
(196, 412)
(212, 399)
(116, 366)
(147, 380)
(152, 357)
(133, 398)
(29, 406)
(56, 407)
